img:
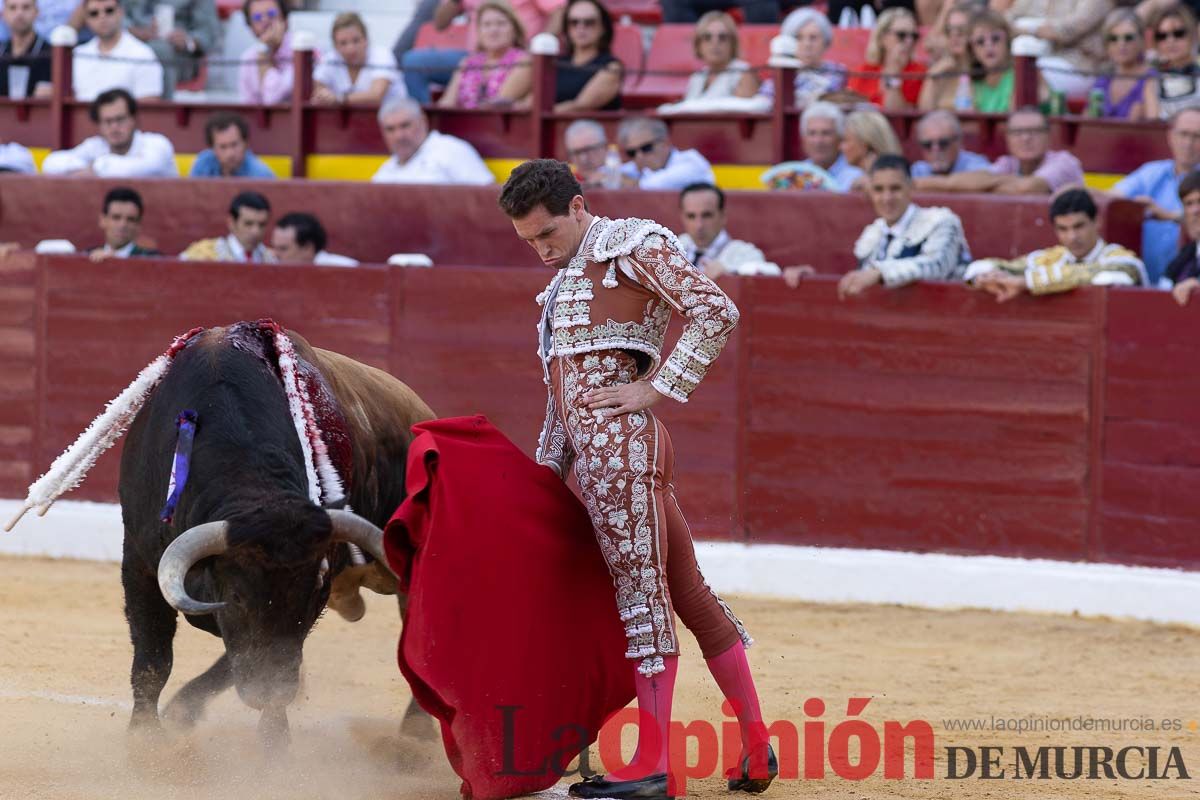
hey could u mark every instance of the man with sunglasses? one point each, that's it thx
(1029, 167)
(114, 58)
(1156, 184)
(654, 163)
(265, 75)
(940, 136)
(587, 147)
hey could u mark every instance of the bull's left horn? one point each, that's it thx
(201, 541)
(350, 527)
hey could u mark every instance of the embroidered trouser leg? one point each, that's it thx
(624, 466)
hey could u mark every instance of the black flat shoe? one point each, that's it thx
(744, 783)
(652, 787)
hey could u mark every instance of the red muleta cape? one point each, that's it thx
(512, 639)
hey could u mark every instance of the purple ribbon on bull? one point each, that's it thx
(186, 423)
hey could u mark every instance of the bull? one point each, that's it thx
(248, 557)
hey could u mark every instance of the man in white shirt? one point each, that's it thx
(300, 238)
(114, 57)
(121, 150)
(654, 163)
(16, 158)
(706, 242)
(420, 155)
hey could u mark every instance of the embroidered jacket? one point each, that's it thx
(1055, 269)
(930, 247)
(617, 293)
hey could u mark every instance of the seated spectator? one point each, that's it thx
(195, 34)
(814, 76)
(498, 72)
(753, 11)
(889, 77)
(1069, 31)
(114, 59)
(1177, 85)
(1081, 257)
(429, 66)
(939, 135)
(587, 149)
(822, 126)
(52, 14)
(120, 150)
(906, 243)
(655, 163)
(1157, 184)
(121, 222)
(299, 238)
(1127, 83)
(867, 136)
(357, 72)
(1029, 167)
(949, 76)
(228, 155)
(420, 155)
(588, 76)
(265, 74)
(1182, 275)
(249, 214)
(992, 74)
(723, 74)
(707, 244)
(25, 56)
(16, 158)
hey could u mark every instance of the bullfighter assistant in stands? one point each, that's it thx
(604, 316)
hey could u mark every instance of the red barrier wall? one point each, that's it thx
(927, 418)
(461, 224)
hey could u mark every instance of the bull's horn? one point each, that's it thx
(350, 527)
(202, 541)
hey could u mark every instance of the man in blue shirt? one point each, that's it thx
(821, 127)
(1157, 185)
(939, 134)
(227, 155)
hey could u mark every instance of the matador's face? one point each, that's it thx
(556, 239)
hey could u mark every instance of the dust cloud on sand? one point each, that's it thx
(65, 700)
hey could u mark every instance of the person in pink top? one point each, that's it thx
(428, 66)
(265, 74)
(498, 72)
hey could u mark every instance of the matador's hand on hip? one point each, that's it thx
(623, 399)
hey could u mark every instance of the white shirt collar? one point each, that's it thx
(586, 233)
(1092, 257)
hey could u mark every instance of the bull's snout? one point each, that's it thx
(267, 679)
(262, 694)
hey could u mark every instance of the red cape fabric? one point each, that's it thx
(512, 639)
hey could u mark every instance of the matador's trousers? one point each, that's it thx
(624, 466)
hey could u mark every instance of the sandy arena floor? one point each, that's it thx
(64, 697)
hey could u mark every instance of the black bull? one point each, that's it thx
(272, 557)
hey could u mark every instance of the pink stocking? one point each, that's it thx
(732, 673)
(654, 695)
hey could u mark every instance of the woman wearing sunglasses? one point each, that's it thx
(589, 75)
(991, 63)
(723, 74)
(1128, 81)
(265, 74)
(890, 78)
(1178, 84)
(941, 86)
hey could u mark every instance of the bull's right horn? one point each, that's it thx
(350, 527)
(201, 541)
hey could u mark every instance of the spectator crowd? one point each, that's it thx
(942, 59)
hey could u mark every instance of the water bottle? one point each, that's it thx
(962, 95)
(612, 168)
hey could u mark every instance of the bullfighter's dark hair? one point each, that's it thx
(1073, 201)
(223, 120)
(111, 96)
(541, 182)
(703, 187)
(308, 229)
(122, 194)
(248, 200)
(891, 161)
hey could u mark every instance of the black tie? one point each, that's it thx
(887, 242)
(699, 255)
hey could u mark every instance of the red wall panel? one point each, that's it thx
(19, 326)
